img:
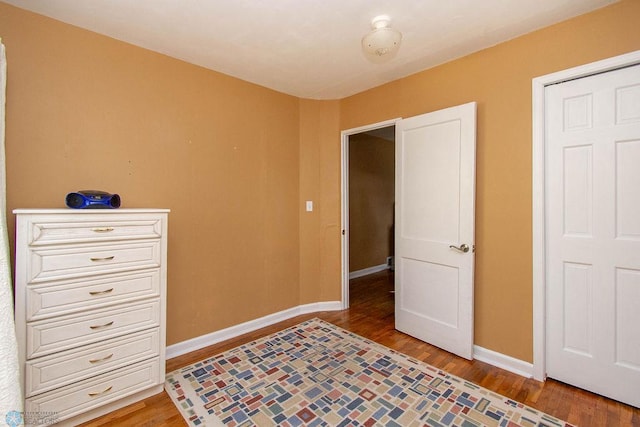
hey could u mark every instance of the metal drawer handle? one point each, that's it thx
(101, 392)
(101, 360)
(107, 258)
(106, 291)
(102, 229)
(462, 248)
(102, 326)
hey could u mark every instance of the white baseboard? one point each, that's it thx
(367, 271)
(491, 357)
(503, 361)
(202, 341)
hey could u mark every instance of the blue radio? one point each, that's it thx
(92, 199)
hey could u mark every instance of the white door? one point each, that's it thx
(435, 216)
(593, 233)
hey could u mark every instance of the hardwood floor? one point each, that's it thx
(372, 315)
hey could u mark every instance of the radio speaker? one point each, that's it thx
(92, 199)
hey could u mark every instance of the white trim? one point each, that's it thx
(344, 198)
(344, 217)
(491, 357)
(367, 271)
(202, 341)
(503, 361)
(538, 178)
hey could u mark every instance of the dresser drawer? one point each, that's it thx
(83, 396)
(60, 298)
(60, 369)
(54, 230)
(61, 262)
(61, 333)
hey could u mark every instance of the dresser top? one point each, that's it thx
(89, 211)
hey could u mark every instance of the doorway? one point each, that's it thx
(367, 200)
(371, 200)
(433, 225)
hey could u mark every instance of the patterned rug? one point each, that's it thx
(316, 374)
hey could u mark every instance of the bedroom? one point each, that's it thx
(235, 161)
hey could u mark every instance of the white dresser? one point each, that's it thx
(90, 309)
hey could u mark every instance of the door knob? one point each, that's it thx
(462, 248)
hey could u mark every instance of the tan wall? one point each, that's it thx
(320, 264)
(499, 80)
(371, 200)
(88, 112)
(235, 162)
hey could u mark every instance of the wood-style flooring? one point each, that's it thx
(372, 315)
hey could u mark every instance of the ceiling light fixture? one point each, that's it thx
(383, 42)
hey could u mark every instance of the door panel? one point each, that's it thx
(627, 296)
(627, 189)
(421, 279)
(435, 194)
(578, 280)
(593, 233)
(428, 206)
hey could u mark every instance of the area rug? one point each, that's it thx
(317, 374)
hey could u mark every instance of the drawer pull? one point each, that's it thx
(102, 326)
(101, 360)
(102, 229)
(107, 258)
(106, 390)
(106, 291)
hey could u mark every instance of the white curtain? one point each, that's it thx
(10, 390)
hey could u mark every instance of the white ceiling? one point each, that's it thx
(310, 48)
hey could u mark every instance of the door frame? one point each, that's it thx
(344, 197)
(538, 194)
